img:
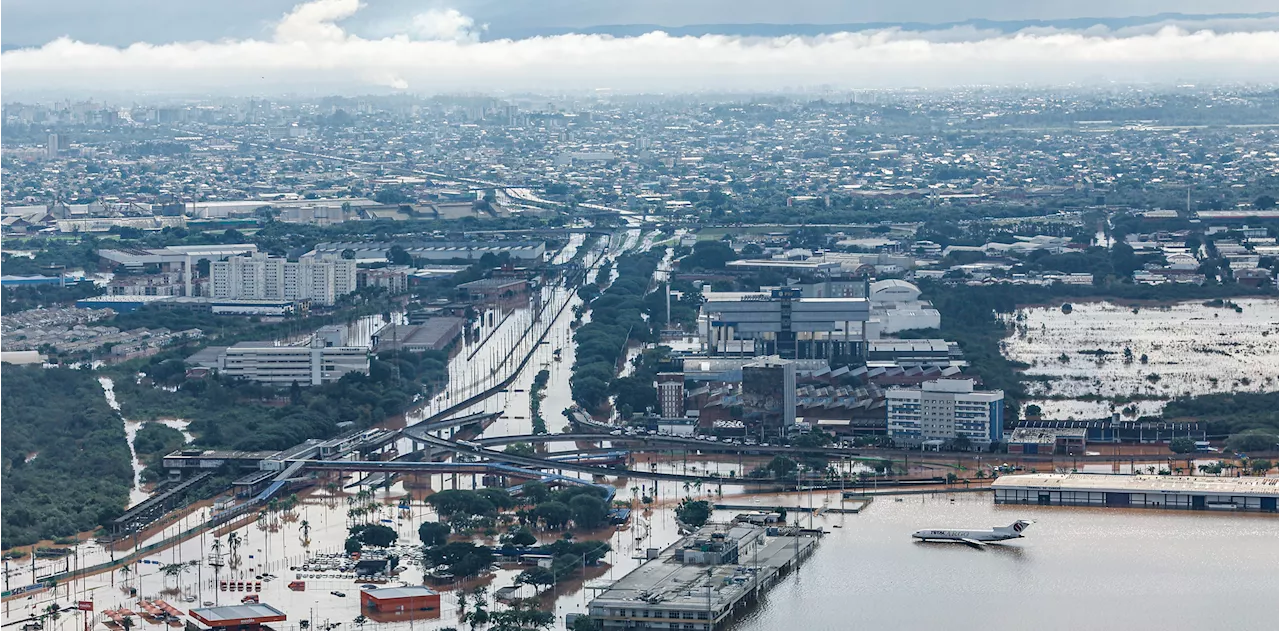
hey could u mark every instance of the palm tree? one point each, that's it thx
(51, 613)
(698, 486)
(305, 527)
(125, 571)
(173, 570)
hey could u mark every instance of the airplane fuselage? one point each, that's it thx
(964, 535)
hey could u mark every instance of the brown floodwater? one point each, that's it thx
(1092, 568)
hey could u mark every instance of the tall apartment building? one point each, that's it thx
(944, 410)
(270, 278)
(671, 394)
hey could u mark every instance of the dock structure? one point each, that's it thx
(1143, 491)
(703, 581)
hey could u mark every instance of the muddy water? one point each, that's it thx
(1077, 568)
(1190, 349)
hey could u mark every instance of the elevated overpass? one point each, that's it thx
(480, 468)
(421, 434)
(660, 443)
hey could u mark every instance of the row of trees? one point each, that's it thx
(1227, 413)
(618, 317)
(539, 507)
(537, 392)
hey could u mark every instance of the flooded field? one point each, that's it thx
(1149, 354)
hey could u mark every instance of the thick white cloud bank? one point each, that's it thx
(441, 51)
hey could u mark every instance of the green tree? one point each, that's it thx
(554, 514)
(434, 533)
(398, 256)
(1182, 445)
(375, 535)
(521, 537)
(781, 467)
(535, 492)
(693, 513)
(1252, 440)
(588, 511)
(463, 558)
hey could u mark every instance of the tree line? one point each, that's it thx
(66, 462)
(618, 316)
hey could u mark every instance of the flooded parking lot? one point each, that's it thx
(1147, 354)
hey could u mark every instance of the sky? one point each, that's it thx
(276, 46)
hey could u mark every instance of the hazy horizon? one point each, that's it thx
(314, 48)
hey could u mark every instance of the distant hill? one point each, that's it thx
(780, 30)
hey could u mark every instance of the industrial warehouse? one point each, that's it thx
(1143, 491)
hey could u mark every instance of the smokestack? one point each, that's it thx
(668, 302)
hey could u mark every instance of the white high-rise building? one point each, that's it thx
(944, 410)
(269, 278)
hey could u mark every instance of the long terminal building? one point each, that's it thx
(1139, 491)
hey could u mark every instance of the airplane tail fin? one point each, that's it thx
(1017, 527)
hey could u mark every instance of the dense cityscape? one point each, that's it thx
(615, 360)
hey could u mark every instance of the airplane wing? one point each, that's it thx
(974, 542)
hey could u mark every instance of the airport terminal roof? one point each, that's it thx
(1140, 483)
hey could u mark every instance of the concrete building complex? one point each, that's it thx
(783, 323)
(945, 410)
(170, 259)
(700, 582)
(261, 277)
(266, 362)
(896, 306)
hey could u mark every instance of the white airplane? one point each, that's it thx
(975, 537)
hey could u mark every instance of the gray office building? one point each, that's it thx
(784, 323)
